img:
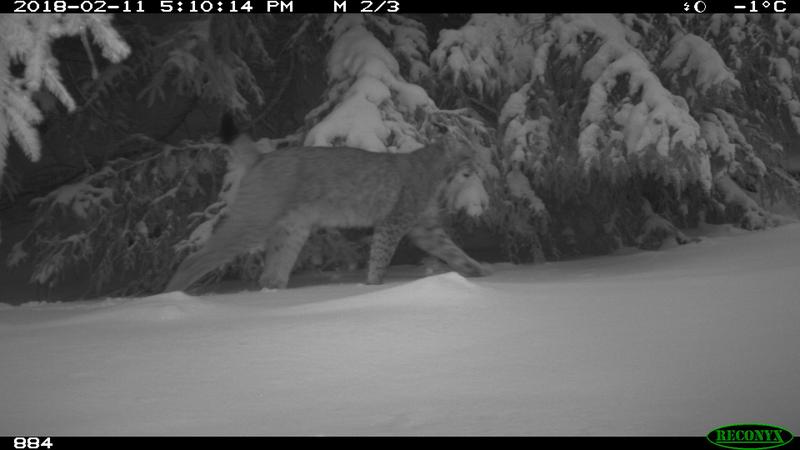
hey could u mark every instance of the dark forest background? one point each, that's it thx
(597, 132)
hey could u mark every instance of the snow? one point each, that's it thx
(783, 70)
(736, 34)
(16, 255)
(782, 76)
(357, 119)
(515, 105)
(659, 121)
(520, 187)
(411, 43)
(489, 55)
(674, 342)
(372, 100)
(353, 50)
(524, 138)
(587, 145)
(724, 138)
(663, 111)
(614, 35)
(695, 54)
(80, 196)
(754, 216)
(713, 131)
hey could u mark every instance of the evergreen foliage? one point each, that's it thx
(592, 131)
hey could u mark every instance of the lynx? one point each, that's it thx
(284, 194)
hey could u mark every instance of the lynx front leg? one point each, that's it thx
(430, 236)
(282, 251)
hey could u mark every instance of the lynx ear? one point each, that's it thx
(436, 130)
(227, 129)
(243, 150)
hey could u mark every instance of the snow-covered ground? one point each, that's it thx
(674, 342)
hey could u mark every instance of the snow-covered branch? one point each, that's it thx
(26, 39)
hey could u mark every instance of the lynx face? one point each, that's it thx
(288, 192)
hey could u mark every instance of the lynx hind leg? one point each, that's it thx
(282, 250)
(431, 237)
(384, 243)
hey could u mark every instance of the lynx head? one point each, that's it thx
(455, 150)
(466, 164)
(459, 143)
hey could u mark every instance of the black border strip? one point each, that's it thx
(705, 7)
(219, 442)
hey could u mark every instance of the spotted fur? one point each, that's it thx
(285, 194)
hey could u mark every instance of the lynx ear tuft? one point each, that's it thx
(227, 129)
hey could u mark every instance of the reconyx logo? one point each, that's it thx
(749, 436)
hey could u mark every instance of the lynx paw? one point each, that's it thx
(374, 280)
(272, 283)
(477, 270)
